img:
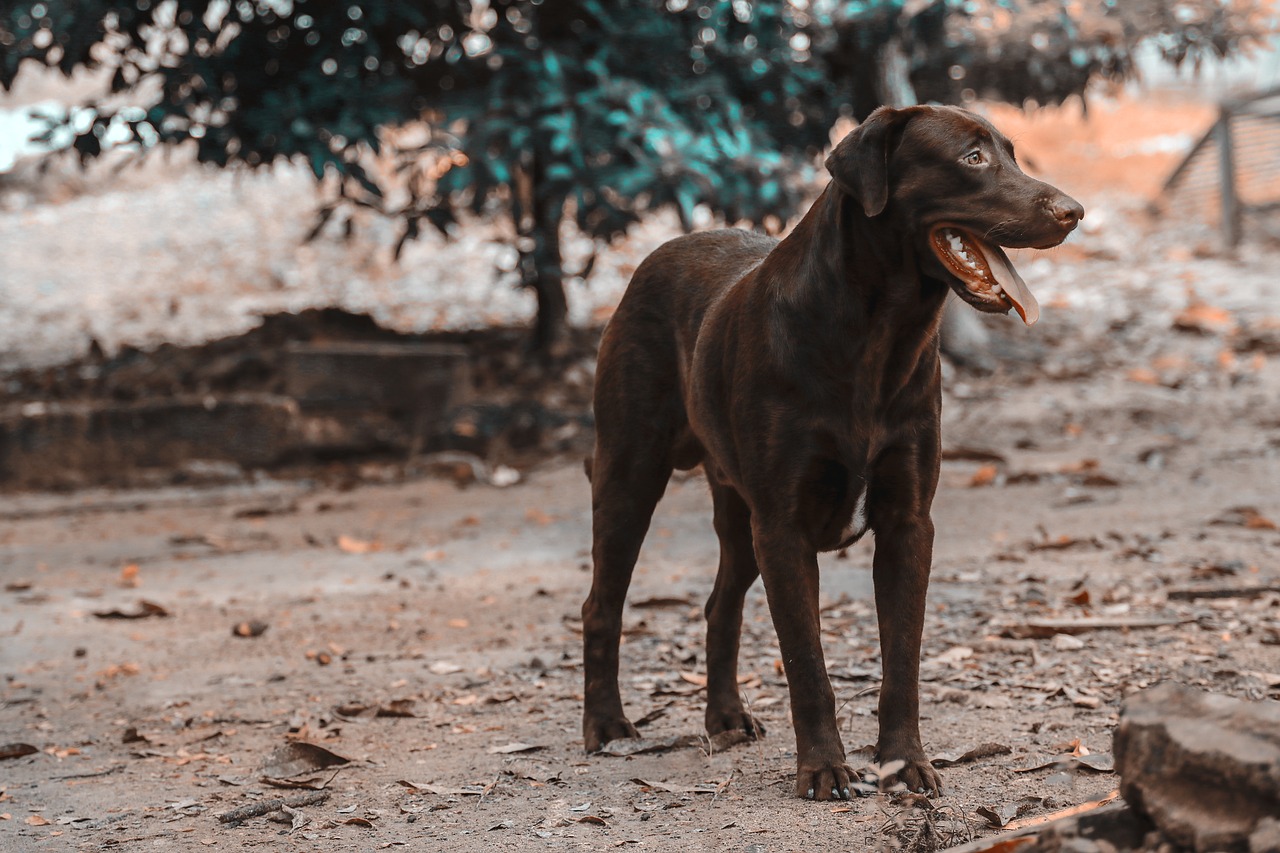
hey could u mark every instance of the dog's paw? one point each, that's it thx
(598, 731)
(826, 781)
(916, 774)
(734, 720)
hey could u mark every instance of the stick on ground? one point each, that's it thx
(265, 806)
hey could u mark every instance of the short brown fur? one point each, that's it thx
(804, 376)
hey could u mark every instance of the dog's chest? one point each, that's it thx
(856, 526)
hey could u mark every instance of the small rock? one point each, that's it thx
(1266, 837)
(1066, 643)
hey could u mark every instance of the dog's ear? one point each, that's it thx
(860, 163)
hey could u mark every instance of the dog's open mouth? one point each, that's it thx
(985, 270)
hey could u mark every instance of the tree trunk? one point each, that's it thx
(541, 265)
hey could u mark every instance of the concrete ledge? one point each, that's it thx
(420, 379)
(56, 445)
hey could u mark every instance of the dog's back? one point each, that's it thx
(673, 288)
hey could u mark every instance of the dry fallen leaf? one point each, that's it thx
(1244, 516)
(999, 816)
(129, 575)
(16, 750)
(146, 609)
(984, 476)
(1204, 319)
(36, 820)
(298, 757)
(352, 545)
(442, 667)
(984, 750)
(511, 748)
(539, 517)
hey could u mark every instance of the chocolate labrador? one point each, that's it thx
(803, 375)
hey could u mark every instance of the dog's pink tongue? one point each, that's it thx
(1011, 283)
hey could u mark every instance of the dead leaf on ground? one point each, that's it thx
(16, 750)
(146, 609)
(1064, 813)
(624, 747)
(444, 667)
(18, 586)
(1201, 318)
(984, 476)
(669, 788)
(440, 790)
(129, 575)
(394, 708)
(538, 517)
(662, 601)
(352, 545)
(1101, 762)
(1244, 516)
(312, 783)
(963, 453)
(999, 816)
(298, 757)
(511, 748)
(251, 628)
(1046, 628)
(357, 821)
(983, 750)
(655, 714)
(36, 820)
(1063, 543)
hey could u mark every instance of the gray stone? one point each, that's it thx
(1204, 768)
(61, 445)
(397, 377)
(1266, 837)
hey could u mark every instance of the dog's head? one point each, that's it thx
(949, 178)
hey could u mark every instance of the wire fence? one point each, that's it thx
(1234, 169)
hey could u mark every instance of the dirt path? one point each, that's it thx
(460, 607)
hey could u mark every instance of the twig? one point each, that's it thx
(720, 788)
(759, 736)
(266, 806)
(115, 768)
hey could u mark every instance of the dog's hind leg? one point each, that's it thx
(737, 573)
(627, 483)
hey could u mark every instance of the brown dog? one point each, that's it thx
(803, 374)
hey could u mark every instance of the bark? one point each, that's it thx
(538, 222)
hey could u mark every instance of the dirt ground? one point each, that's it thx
(1106, 521)
(421, 630)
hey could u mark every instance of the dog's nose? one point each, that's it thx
(1067, 211)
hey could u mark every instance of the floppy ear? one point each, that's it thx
(860, 163)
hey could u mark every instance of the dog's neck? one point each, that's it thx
(861, 271)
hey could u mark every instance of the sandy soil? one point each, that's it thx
(460, 607)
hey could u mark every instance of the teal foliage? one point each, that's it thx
(599, 109)
(616, 106)
(1041, 51)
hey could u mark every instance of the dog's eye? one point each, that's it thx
(974, 158)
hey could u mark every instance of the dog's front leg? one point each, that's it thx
(789, 568)
(903, 556)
